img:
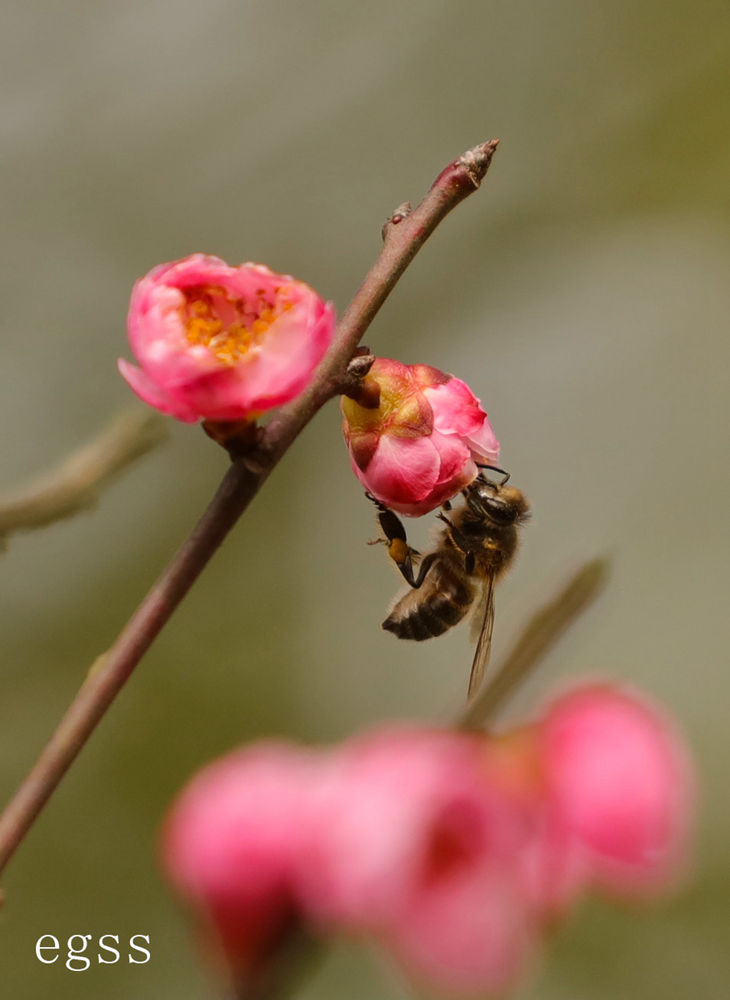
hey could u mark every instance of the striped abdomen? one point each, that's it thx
(444, 598)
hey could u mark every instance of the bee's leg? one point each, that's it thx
(457, 537)
(391, 524)
(461, 542)
(398, 548)
(426, 564)
(446, 505)
(495, 468)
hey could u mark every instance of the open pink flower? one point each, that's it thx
(419, 447)
(223, 343)
(620, 775)
(232, 844)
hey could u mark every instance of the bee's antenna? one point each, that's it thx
(496, 468)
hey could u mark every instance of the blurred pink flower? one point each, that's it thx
(620, 775)
(452, 850)
(396, 834)
(551, 871)
(417, 848)
(232, 842)
(223, 343)
(419, 447)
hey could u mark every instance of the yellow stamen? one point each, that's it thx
(229, 343)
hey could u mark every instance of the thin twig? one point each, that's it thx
(403, 234)
(75, 483)
(539, 635)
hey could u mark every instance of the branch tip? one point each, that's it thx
(476, 161)
(466, 173)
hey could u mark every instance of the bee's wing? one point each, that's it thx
(482, 626)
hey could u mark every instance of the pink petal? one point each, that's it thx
(484, 444)
(233, 840)
(154, 394)
(402, 471)
(455, 461)
(281, 368)
(426, 376)
(622, 778)
(473, 936)
(456, 410)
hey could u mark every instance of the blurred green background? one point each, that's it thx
(584, 295)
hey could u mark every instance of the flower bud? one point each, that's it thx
(621, 777)
(223, 343)
(232, 843)
(605, 785)
(419, 446)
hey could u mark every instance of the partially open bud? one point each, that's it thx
(218, 342)
(419, 446)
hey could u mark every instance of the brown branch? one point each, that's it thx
(404, 234)
(75, 483)
(537, 638)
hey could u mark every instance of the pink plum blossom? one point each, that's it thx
(232, 843)
(620, 775)
(420, 445)
(452, 850)
(421, 851)
(223, 343)
(396, 834)
(607, 783)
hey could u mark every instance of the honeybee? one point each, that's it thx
(473, 550)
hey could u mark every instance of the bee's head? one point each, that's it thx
(500, 504)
